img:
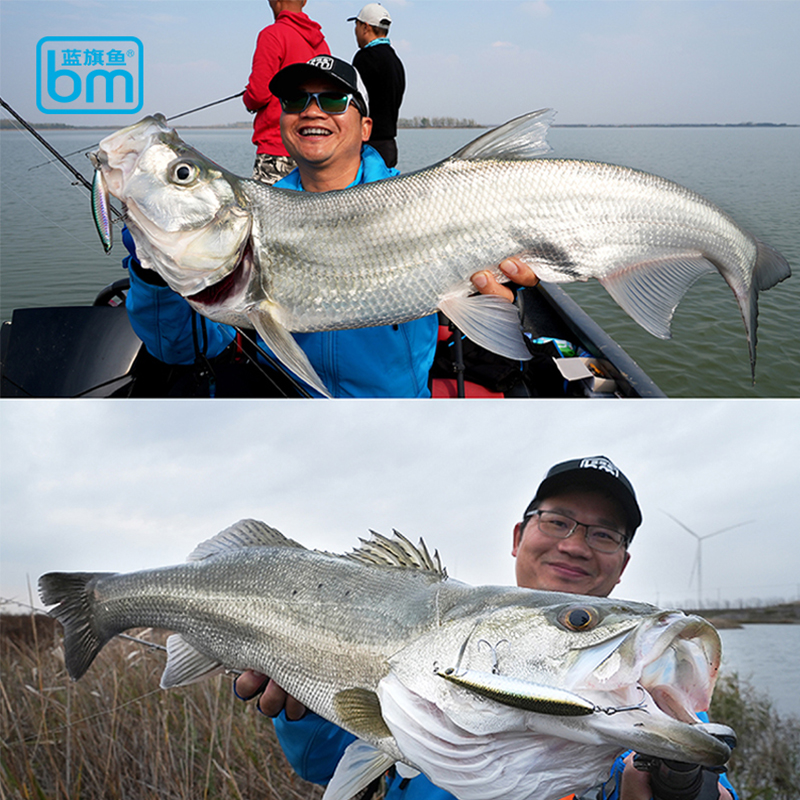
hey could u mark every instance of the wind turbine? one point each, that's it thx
(698, 561)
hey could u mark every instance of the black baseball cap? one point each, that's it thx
(340, 72)
(594, 472)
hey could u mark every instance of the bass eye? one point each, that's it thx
(184, 172)
(579, 618)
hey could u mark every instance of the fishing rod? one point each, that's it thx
(58, 157)
(43, 141)
(169, 119)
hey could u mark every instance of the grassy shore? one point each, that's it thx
(117, 735)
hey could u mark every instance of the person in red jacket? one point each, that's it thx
(292, 38)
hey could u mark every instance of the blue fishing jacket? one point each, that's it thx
(314, 746)
(384, 361)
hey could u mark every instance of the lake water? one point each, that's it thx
(769, 657)
(50, 253)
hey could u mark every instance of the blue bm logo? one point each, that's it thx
(89, 75)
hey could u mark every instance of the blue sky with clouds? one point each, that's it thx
(594, 61)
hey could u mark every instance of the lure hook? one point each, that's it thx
(493, 651)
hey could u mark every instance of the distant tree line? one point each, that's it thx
(437, 122)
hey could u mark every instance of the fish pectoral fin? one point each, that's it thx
(489, 321)
(522, 137)
(360, 711)
(649, 291)
(358, 767)
(285, 348)
(186, 665)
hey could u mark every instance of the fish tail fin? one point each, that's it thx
(770, 269)
(73, 594)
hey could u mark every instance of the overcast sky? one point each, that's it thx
(99, 485)
(594, 61)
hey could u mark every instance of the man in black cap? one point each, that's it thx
(588, 496)
(574, 538)
(383, 75)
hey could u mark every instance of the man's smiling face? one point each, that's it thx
(317, 139)
(570, 565)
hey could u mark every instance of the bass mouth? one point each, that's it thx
(231, 284)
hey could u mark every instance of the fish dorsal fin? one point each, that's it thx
(520, 138)
(245, 533)
(398, 551)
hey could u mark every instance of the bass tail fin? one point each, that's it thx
(72, 593)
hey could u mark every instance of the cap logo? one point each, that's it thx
(600, 463)
(323, 62)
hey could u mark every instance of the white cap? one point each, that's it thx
(373, 14)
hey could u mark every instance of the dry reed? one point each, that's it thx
(117, 735)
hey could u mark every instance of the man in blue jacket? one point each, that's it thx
(574, 538)
(325, 125)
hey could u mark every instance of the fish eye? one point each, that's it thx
(184, 172)
(579, 618)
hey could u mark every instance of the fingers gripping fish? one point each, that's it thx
(384, 253)
(475, 686)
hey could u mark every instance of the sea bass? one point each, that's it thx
(492, 692)
(279, 261)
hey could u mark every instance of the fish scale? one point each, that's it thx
(402, 248)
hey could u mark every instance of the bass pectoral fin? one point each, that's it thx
(186, 665)
(360, 711)
(285, 348)
(358, 767)
(649, 291)
(489, 321)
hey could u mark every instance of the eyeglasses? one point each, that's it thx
(329, 102)
(558, 526)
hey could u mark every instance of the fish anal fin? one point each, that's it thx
(185, 664)
(245, 533)
(649, 291)
(489, 321)
(360, 711)
(285, 348)
(358, 767)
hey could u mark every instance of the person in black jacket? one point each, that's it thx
(383, 75)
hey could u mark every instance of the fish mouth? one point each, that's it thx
(234, 283)
(679, 658)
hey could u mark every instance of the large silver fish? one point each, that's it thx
(383, 253)
(492, 692)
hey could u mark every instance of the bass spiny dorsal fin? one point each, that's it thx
(520, 138)
(245, 533)
(397, 551)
